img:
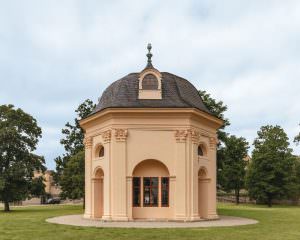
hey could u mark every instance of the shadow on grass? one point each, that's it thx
(42, 208)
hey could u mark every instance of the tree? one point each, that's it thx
(294, 186)
(297, 138)
(217, 108)
(73, 140)
(234, 170)
(37, 188)
(19, 135)
(73, 144)
(270, 171)
(72, 180)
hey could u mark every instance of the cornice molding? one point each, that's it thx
(148, 112)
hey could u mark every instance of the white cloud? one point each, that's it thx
(55, 54)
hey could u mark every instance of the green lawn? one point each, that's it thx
(279, 222)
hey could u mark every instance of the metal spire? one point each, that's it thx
(149, 56)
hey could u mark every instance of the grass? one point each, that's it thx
(279, 222)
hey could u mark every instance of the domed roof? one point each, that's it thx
(151, 89)
(177, 92)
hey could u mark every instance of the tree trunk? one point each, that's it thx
(6, 206)
(237, 196)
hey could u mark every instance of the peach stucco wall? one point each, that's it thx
(138, 142)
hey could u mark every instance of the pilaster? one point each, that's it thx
(180, 207)
(107, 196)
(88, 143)
(195, 140)
(212, 198)
(118, 170)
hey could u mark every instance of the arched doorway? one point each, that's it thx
(98, 193)
(203, 193)
(151, 190)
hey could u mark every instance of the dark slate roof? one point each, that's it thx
(177, 92)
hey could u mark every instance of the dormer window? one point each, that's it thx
(150, 82)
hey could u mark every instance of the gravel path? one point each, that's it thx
(78, 220)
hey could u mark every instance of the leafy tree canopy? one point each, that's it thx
(234, 167)
(217, 108)
(72, 180)
(73, 144)
(37, 187)
(19, 135)
(73, 134)
(294, 187)
(271, 168)
(297, 138)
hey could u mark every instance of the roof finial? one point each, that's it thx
(149, 56)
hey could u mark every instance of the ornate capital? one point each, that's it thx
(195, 135)
(121, 134)
(181, 135)
(88, 142)
(106, 135)
(213, 141)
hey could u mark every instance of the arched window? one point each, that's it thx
(201, 150)
(150, 184)
(101, 151)
(150, 82)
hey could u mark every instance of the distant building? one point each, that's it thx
(51, 188)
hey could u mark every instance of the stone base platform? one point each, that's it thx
(78, 220)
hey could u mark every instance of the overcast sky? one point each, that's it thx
(56, 54)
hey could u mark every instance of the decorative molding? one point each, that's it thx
(181, 135)
(88, 142)
(97, 178)
(106, 135)
(204, 180)
(203, 134)
(121, 134)
(195, 135)
(213, 141)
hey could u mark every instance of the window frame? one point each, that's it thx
(149, 84)
(133, 192)
(150, 192)
(167, 189)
